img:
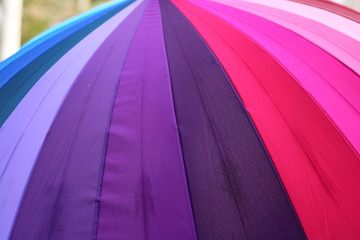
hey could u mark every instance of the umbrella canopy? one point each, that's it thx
(185, 119)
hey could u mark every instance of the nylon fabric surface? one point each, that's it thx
(144, 190)
(72, 155)
(287, 121)
(230, 176)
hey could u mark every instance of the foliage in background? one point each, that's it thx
(40, 15)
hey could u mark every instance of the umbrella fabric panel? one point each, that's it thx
(26, 128)
(234, 189)
(12, 93)
(144, 190)
(31, 51)
(330, 19)
(324, 191)
(335, 87)
(63, 190)
(339, 45)
(333, 7)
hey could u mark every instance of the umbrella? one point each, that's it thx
(185, 119)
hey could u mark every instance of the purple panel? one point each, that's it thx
(235, 192)
(144, 193)
(61, 199)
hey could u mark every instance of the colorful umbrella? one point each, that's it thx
(185, 119)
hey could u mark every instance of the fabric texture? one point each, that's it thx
(185, 119)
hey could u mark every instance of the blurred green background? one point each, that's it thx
(39, 15)
(21, 20)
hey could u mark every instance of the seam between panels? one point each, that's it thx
(106, 140)
(41, 146)
(216, 136)
(180, 150)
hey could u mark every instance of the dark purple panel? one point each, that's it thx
(61, 199)
(235, 191)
